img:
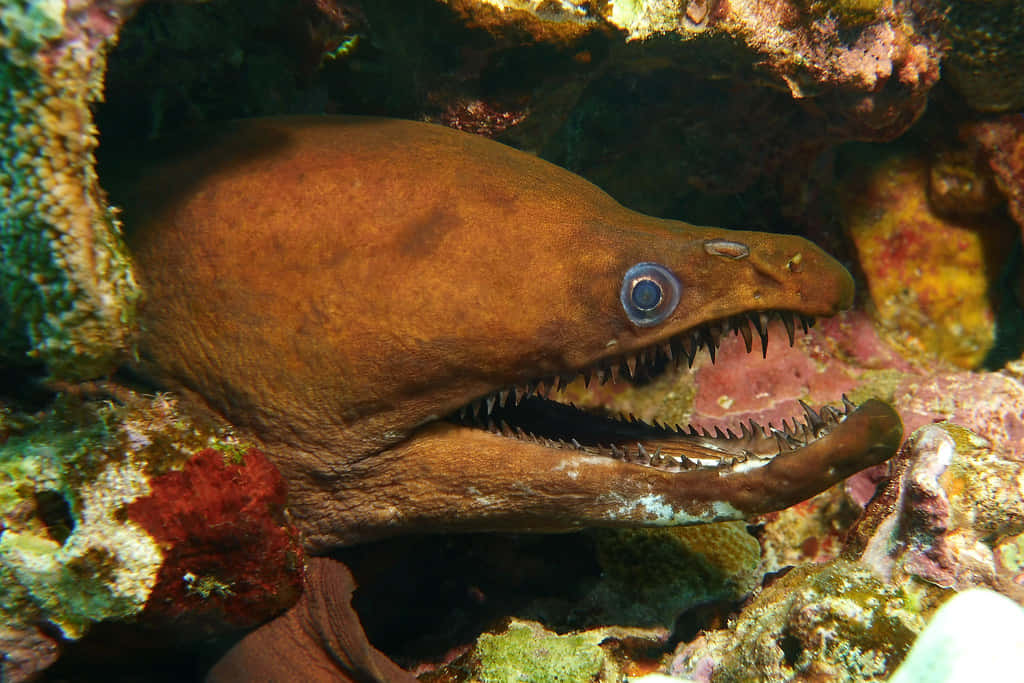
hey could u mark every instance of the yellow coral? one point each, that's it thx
(928, 275)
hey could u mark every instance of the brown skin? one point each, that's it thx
(316, 640)
(333, 286)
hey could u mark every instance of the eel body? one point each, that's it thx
(383, 305)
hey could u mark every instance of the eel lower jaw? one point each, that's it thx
(525, 414)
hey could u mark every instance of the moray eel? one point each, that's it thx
(384, 305)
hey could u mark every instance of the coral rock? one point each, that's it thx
(66, 286)
(928, 276)
(105, 515)
(24, 653)
(836, 622)
(951, 517)
(229, 557)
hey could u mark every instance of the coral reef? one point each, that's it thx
(836, 621)
(652, 576)
(106, 514)
(1003, 142)
(106, 507)
(950, 518)
(66, 286)
(876, 61)
(929, 276)
(986, 59)
(229, 558)
(526, 651)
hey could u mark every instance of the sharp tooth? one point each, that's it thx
(587, 374)
(678, 350)
(503, 397)
(657, 459)
(631, 366)
(715, 333)
(685, 463)
(814, 420)
(848, 405)
(490, 403)
(577, 444)
(830, 414)
(784, 441)
(462, 412)
(806, 322)
(718, 433)
(691, 351)
(763, 329)
(729, 433)
(787, 320)
(748, 337)
(618, 453)
(614, 372)
(745, 433)
(709, 341)
(640, 450)
(666, 349)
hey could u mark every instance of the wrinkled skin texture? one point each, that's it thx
(312, 641)
(333, 286)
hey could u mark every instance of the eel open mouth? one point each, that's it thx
(526, 412)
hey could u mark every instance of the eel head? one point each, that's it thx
(386, 305)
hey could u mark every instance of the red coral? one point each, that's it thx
(230, 558)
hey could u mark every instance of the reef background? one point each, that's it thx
(888, 132)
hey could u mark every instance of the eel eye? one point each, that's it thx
(650, 292)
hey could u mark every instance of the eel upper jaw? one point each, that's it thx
(525, 413)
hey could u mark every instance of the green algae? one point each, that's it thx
(528, 652)
(651, 576)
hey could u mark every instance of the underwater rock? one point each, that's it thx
(988, 404)
(871, 63)
(836, 621)
(25, 653)
(652, 576)
(106, 514)
(929, 276)
(66, 285)
(1003, 141)
(986, 56)
(950, 518)
(230, 560)
(526, 651)
(978, 635)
